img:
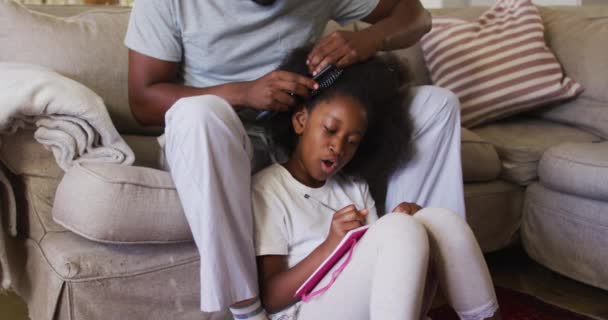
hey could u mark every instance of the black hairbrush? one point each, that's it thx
(325, 78)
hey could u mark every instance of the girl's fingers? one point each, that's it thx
(347, 226)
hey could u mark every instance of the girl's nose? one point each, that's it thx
(336, 148)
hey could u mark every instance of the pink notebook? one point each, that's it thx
(343, 247)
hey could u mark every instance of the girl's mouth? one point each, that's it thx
(329, 166)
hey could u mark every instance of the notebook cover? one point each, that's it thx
(330, 261)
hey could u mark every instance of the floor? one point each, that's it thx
(510, 268)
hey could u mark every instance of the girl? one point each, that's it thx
(335, 140)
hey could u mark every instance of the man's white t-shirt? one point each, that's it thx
(223, 41)
(287, 223)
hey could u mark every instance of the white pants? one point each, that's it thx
(385, 278)
(208, 154)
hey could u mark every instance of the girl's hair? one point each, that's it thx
(380, 84)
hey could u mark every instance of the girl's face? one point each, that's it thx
(329, 136)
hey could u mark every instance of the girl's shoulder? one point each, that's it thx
(267, 176)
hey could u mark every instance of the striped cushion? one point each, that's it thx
(498, 65)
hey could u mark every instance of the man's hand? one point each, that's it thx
(274, 91)
(344, 220)
(407, 208)
(341, 48)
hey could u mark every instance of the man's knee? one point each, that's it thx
(200, 110)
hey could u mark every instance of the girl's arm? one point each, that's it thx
(278, 283)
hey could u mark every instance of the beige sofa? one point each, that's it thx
(110, 241)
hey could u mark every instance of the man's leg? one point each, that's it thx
(433, 176)
(208, 154)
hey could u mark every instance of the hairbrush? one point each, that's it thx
(325, 78)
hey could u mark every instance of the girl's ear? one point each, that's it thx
(298, 120)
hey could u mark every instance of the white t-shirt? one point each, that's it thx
(286, 223)
(222, 41)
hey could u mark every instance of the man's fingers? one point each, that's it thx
(281, 101)
(293, 87)
(297, 79)
(324, 53)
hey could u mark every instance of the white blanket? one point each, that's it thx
(71, 120)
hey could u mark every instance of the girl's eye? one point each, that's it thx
(329, 130)
(354, 142)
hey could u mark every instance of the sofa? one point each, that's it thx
(109, 241)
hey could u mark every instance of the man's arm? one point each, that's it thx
(153, 89)
(396, 24)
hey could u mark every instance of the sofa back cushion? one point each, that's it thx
(580, 41)
(87, 48)
(578, 36)
(498, 64)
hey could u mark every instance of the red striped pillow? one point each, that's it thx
(498, 65)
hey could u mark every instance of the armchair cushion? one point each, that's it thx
(577, 168)
(120, 205)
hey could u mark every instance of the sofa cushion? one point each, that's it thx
(521, 142)
(567, 234)
(479, 158)
(580, 42)
(75, 258)
(24, 156)
(497, 65)
(577, 168)
(494, 212)
(120, 204)
(87, 48)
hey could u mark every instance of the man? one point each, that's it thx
(197, 66)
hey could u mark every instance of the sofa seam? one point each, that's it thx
(566, 215)
(558, 157)
(124, 275)
(108, 242)
(133, 273)
(123, 182)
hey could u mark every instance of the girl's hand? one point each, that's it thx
(341, 48)
(407, 208)
(275, 90)
(344, 220)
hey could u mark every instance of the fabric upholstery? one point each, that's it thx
(521, 142)
(479, 158)
(498, 65)
(567, 234)
(117, 204)
(23, 155)
(577, 168)
(69, 277)
(494, 213)
(580, 42)
(64, 45)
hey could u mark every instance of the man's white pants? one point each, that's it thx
(209, 156)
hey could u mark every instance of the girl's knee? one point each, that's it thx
(446, 224)
(400, 226)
